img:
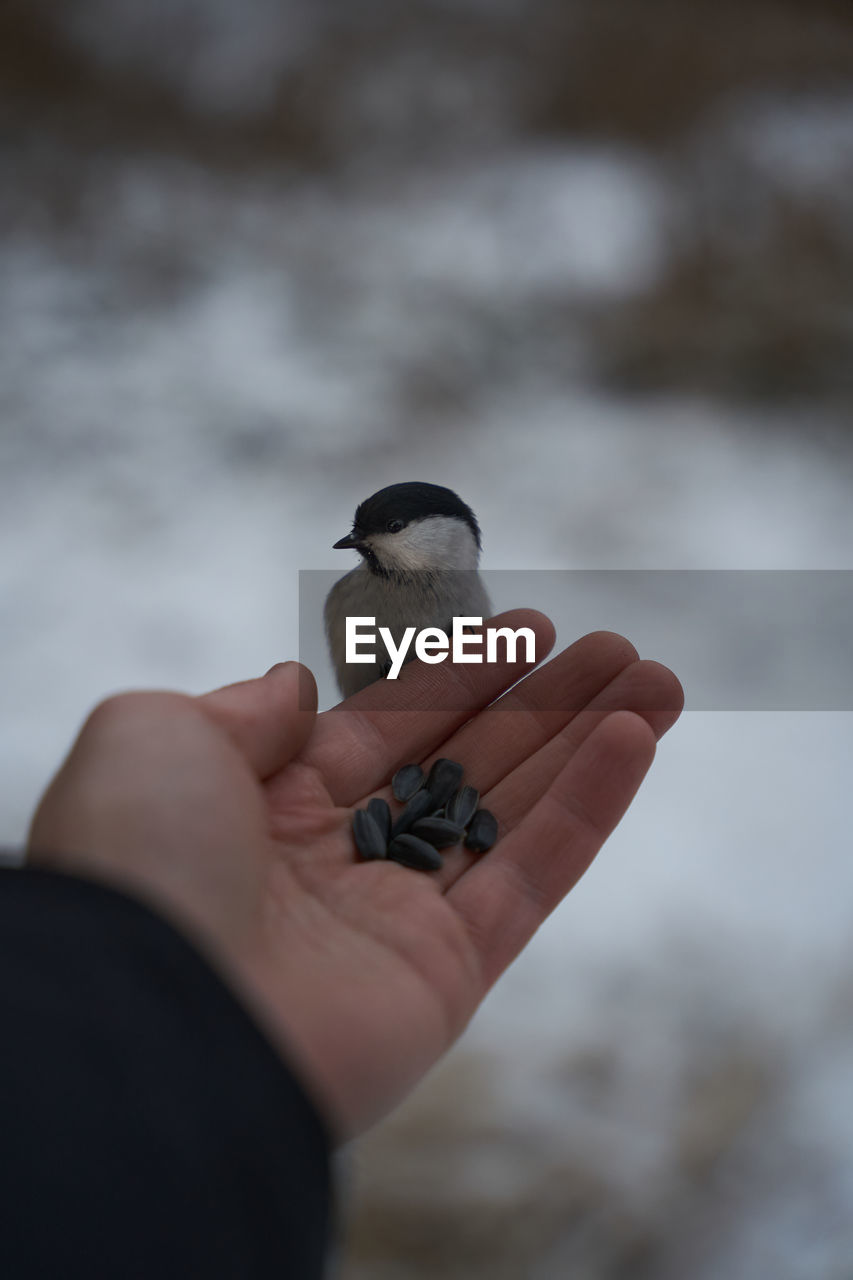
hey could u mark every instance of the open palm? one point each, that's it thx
(237, 818)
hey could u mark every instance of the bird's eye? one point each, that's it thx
(394, 526)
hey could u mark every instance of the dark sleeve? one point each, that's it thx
(147, 1127)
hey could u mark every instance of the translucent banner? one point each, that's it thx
(757, 640)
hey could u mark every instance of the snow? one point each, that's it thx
(169, 465)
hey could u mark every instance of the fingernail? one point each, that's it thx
(279, 666)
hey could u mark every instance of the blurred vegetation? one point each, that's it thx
(744, 109)
(346, 87)
(639, 70)
(456, 1187)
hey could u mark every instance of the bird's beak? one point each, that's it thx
(351, 541)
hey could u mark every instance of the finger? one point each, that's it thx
(358, 744)
(269, 719)
(505, 896)
(645, 688)
(538, 708)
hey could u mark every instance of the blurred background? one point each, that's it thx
(590, 264)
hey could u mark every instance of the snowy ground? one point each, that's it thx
(176, 447)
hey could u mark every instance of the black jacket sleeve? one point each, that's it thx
(147, 1127)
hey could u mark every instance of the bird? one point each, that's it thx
(420, 549)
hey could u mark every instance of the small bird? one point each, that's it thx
(420, 547)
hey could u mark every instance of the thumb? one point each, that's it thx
(269, 719)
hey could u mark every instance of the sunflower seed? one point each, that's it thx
(381, 815)
(421, 804)
(438, 832)
(482, 831)
(462, 805)
(444, 777)
(415, 853)
(406, 782)
(369, 840)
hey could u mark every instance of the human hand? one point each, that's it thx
(232, 813)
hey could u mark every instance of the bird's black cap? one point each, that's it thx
(414, 500)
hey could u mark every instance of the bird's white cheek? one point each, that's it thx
(438, 542)
(399, 552)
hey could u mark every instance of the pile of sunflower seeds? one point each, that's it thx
(439, 812)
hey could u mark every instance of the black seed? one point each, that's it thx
(406, 782)
(438, 832)
(462, 805)
(482, 831)
(369, 840)
(381, 815)
(444, 777)
(419, 806)
(415, 853)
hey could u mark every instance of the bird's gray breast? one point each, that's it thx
(419, 600)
